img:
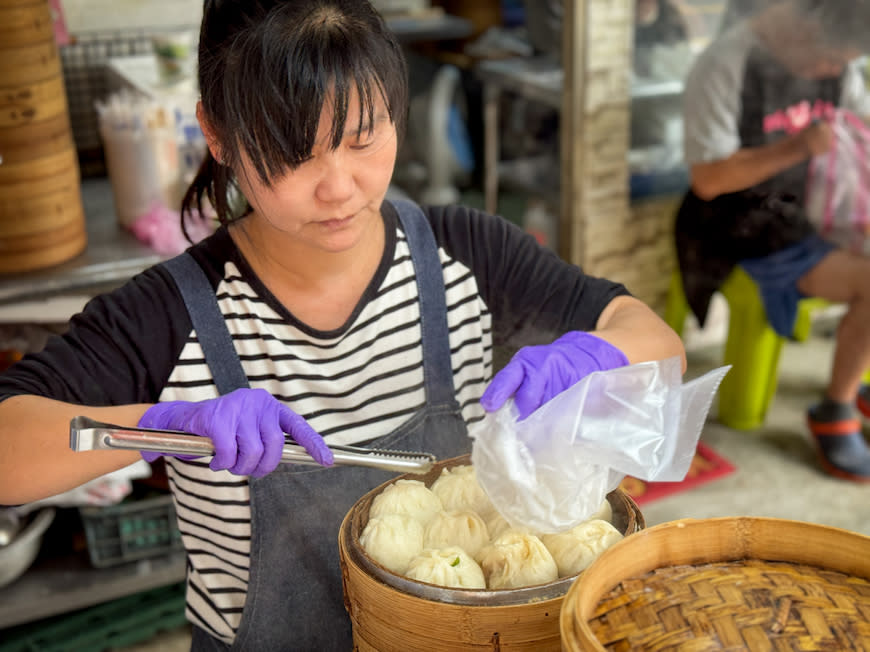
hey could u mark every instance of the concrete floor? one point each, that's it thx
(777, 474)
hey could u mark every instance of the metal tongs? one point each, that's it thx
(87, 435)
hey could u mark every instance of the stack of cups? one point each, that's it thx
(42, 221)
(140, 142)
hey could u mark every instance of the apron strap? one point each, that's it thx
(208, 322)
(437, 365)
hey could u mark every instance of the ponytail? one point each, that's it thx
(212, 182)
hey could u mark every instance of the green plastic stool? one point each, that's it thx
(752, 347)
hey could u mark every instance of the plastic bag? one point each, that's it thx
(838, 185)
(160, 229)
(108, 489)
(552, 471)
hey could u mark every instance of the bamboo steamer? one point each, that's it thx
(52, 209)
(42, 221)
(28, 63)
(28, 104)
(22, 22)
(45, 166)
(724, 584)
(392, 613)
(31, 140)
(34, 188)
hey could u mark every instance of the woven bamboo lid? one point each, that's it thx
(724, 584)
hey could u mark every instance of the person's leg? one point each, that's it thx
(843, 278)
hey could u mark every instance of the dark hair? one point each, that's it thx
(266, 68)
(844, 23)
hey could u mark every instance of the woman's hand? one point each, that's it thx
(246, 426)
(538, 373)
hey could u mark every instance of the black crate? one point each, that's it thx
(132, 530)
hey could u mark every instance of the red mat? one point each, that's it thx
(706, 466)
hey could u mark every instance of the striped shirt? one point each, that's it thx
(352, 384)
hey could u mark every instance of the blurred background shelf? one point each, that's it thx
(60, 584)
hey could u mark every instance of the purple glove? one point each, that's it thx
(537, 373)
(246, 426)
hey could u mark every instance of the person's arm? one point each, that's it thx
(247, 429)
(633, 328)
(35, 457)
(749, 166)
(568, 323)
(117, 355)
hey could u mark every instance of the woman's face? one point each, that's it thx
(331, 201)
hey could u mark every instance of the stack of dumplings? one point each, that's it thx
(450, 535)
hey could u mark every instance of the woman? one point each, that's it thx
(351, 320)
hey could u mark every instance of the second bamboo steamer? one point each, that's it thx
(42, 220)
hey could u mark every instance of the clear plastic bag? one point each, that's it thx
(552, 470)
(838, 185)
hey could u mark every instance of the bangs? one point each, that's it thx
(325, 62)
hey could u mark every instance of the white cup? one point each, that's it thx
(143, 170)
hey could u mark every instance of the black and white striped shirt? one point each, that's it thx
(353, 384)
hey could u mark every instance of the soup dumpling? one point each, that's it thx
(410, 497)
(496, 524)
(450, 566)
(463, 529)
(393, 540)
(575, 549)
(459, 490)
(517, 559)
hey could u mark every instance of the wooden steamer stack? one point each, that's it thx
(42, 221)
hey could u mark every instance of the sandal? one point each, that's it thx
(842, 450)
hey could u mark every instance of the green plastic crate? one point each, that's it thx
(117, 623)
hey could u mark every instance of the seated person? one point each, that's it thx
(753, 105)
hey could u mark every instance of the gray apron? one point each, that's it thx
(294, 599)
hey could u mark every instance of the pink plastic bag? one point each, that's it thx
(838, 185)
(160, 229)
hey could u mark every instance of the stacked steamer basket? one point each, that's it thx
(392, 613)
(42, 221)
(724, 584)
